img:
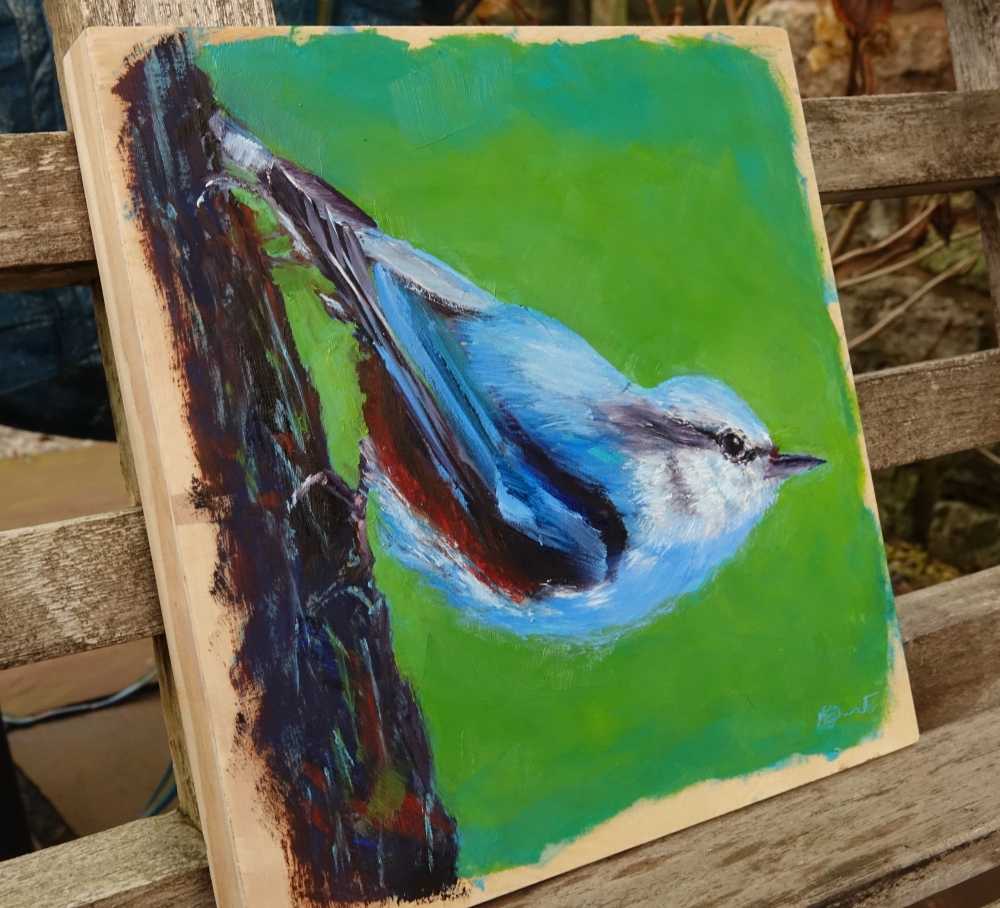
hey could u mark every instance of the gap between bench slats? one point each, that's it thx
(884, 834)
(862, 148)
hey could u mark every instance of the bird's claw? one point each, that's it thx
(354, 499)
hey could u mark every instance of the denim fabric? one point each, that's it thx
(51, 377)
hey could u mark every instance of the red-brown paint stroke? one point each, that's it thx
(327, 726)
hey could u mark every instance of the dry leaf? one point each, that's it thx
(861, 16)
(831, 41)
(486, 9)
(880, 42)
(943, 219)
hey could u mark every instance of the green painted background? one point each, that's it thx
(646, 195)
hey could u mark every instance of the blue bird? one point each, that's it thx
(514, 467)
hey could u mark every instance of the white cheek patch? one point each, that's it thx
(695, 493)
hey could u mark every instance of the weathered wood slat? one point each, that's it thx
(862, 147)
(925, 410)
(76, 585)
(951, 633)
(44, 230)
(894, 145)
(885, 834)
(154, 863)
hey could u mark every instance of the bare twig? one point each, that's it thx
(852, 67)
(888, 241)
(702, 15)
(878, 327)
(679, 14)
(989, 455)
(654, 12)
(741, 10)
(519, 10)
(712, 6)
(731, 12)
(847, 228)
(942, 334)
(464, 10)
(904, 263)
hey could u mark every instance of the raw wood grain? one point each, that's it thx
(925, 410)
(76, 585)
(974, 35)
(68, 18)
(862, 147)
(115, 396)
(154, 863)
(894, 145)
(202, 764)
(186, 797)
(187, 800)
(44, 230)
(882, 835)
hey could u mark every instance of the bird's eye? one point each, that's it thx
(732, 445)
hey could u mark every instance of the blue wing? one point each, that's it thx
(500, 429)
(537, 370)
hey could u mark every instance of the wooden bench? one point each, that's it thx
(887, 834)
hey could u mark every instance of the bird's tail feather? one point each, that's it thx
(469, 442)
(281, 177)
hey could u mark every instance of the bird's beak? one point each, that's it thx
(781, 466)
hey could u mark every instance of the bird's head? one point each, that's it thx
(699, 452)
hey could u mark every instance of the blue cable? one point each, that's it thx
(10, 722)
(163, 794)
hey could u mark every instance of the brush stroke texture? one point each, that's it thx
(515, 468)
(647, 198)
(332, 732)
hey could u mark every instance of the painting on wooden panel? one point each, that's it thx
(497, 441)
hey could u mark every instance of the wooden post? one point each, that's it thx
(578, 12)
(67, 19)
(974, 33)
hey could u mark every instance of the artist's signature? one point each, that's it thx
(830, 715)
